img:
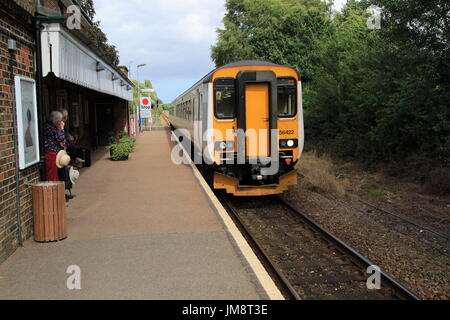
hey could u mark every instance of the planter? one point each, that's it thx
(123, 158)
(120, 150)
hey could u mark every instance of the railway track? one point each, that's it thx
(305, 260)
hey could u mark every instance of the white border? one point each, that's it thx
(20, 132)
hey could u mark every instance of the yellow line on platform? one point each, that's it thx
(263, 277)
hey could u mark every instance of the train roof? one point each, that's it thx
(242, 63)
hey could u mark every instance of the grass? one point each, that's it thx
(374, 192)
(319, 173)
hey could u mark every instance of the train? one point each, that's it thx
(244, 122)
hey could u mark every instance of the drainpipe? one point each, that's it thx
(16, 146)
(40, 108)
(39, 80)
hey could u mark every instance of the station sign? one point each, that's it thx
(146, 108)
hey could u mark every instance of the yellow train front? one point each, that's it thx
(246, 124)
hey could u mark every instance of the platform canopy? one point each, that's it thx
(71, 60)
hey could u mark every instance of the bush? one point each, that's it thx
(128, 141)
(319, 174)
(119, 151)
(121, 147)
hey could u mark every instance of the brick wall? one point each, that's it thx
(27, 5)
(23, 65)
(51, 4)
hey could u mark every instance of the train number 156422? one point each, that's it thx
(287, 132)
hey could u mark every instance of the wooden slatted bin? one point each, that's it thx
(49, 211)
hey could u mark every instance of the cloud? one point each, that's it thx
(173, 37)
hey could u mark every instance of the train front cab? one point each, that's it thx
(267, 100)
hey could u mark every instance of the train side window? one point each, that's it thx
(224, 98)
(287, 97)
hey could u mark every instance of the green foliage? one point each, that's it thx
(379, 96)
(100, 41)
(121, 147)
(374, 192)
(97, 36)
(88, 7)
(147, 84)
(281, 31)
(119, 151)
(129, 141)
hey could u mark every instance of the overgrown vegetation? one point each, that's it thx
(97, 36)
(319, 174)
(380, 96)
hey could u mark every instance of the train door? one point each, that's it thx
(257, 115)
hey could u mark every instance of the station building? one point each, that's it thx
(44, 66)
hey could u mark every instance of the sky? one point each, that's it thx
(172, 37)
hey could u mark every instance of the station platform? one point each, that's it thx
(139, 229)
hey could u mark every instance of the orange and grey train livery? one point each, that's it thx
(246, 124)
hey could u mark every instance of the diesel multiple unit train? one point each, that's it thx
(245, 122)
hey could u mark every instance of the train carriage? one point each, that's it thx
(245, 122)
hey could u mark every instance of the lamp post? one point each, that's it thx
(139, 96)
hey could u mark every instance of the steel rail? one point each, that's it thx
(422, 227)
(355, 255)
(283, 284)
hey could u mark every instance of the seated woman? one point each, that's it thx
(54, 141)
(72, 141)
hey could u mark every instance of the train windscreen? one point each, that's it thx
(225, 98)
(287, 97)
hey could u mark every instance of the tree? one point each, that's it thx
(382, 95)
(279, 31)
(147, 84)
(88, 7)
(379, 96)
(97, 36)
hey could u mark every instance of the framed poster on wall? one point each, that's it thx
(27, 122)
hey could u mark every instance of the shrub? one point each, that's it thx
(119, 151)
(319, 174)
(128, 141)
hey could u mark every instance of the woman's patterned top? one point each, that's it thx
(54, 138)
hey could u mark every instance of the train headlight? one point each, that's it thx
(288, 143)
(223, 146)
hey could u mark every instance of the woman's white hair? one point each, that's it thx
(64, 112)
(56, 116)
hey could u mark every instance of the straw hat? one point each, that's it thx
(73, 175)
(62, 159)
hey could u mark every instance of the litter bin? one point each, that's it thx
(49, 211)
